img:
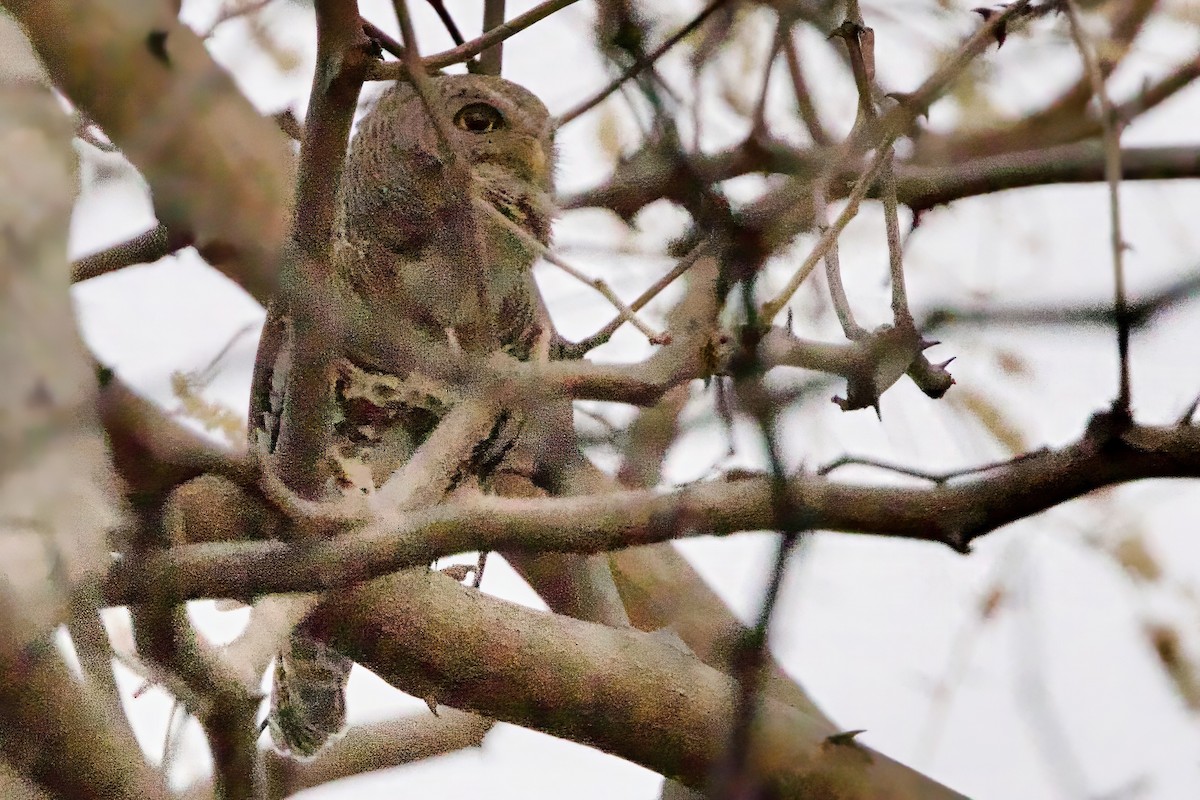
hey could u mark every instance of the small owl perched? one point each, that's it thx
(421, 261)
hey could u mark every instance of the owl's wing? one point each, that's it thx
(266, 387)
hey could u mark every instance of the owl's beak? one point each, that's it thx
(538, 164)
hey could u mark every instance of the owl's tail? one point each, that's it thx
(308, 696)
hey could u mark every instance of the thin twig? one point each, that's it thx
(584, 346)
(804, 102)
(439, 8)
(480, 565)
(491, 59)
(145, 248)
(963, 646)
(1188, 413)
(639, 65)
(1112, 174)
(455, 172)
(385, 40)
(465, 52)
(891, 217)
(423, 85)
(626, 313)
(860, 45)
(759, 127)
(771, 308)
(937, 478)
(234, 11)
(899, 119)
(735, 780)
(854, 32)
(833, 269)
(1138, 314)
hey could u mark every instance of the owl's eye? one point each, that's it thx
(479, 118)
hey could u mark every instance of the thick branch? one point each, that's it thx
(215, 166)
(54, 731)
(625, 692)
(315, 331)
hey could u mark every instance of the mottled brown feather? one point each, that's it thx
(408, 252)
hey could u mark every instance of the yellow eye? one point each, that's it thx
(479, 118)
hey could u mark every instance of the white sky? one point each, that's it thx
(1057, 696)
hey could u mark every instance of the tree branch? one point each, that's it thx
(315, 331)
(953, 514)
(145, 248)
(54, 731)
(215, 166)
(396, 70)
(493, 17)
(627, 693)
(639, 65)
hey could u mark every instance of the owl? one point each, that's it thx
(421, 261)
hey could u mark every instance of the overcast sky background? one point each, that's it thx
(1057, 695)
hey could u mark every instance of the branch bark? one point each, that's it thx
(216, 167)
(953, 514)
(627, 693)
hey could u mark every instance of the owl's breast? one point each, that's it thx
(380, 420)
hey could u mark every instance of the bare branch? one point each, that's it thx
(380, 745)
(640, 64)
(215, 166)
(1112, 175)
(772, 307)
(804, 102)
(465, 52)
(493, 17)
(365, 748)
(56, 732)
(638, 697)
(951, 514)
(584, 346)
(1138, 313)
(315, 330)
(145, 248)
(625, 313)
(234, 10)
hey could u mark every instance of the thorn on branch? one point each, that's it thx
(381, 38)
(845, 738)
(1001, 32)
(958, 540)
(104, 376)
(1106, 429)
(847, 30)
(891, 352)
(906, 99)
(1185, 418)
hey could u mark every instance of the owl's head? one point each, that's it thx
(500, 126)
(502, 130)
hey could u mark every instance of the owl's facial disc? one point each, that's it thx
(492, 138)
